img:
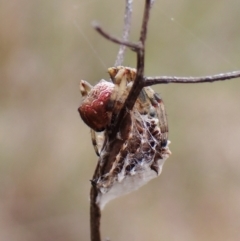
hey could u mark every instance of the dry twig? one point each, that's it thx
(135, 90)
(126, 31)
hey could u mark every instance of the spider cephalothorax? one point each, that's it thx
(143, 139)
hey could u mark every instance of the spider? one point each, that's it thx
(103, 101)
(145, 148)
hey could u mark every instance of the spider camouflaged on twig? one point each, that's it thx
(132, 120)
(145, 148)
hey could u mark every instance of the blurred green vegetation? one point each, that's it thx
(46, 157)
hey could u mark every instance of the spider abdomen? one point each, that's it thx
(94, 109)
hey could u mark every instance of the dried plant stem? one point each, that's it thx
(123, 114)
(95, 215)
(100, 30)
(148, 81)
(190, 80)
(126, 31)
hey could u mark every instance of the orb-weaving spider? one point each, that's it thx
(103, 101)
(144, 149)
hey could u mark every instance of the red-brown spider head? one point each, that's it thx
(95, 109)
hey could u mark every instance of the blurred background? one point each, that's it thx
(46, 156)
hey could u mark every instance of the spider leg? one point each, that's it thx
(129, 72)
(85, 88)
(158, 104)
(95, 142)
(120, 77)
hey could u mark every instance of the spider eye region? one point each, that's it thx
(94, 109)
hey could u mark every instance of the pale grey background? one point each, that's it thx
(46, 153)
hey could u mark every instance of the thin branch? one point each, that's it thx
(95, 215)
(143, 34)
(124, 113)
(148, 81)
(101, 31)
(126, 31)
